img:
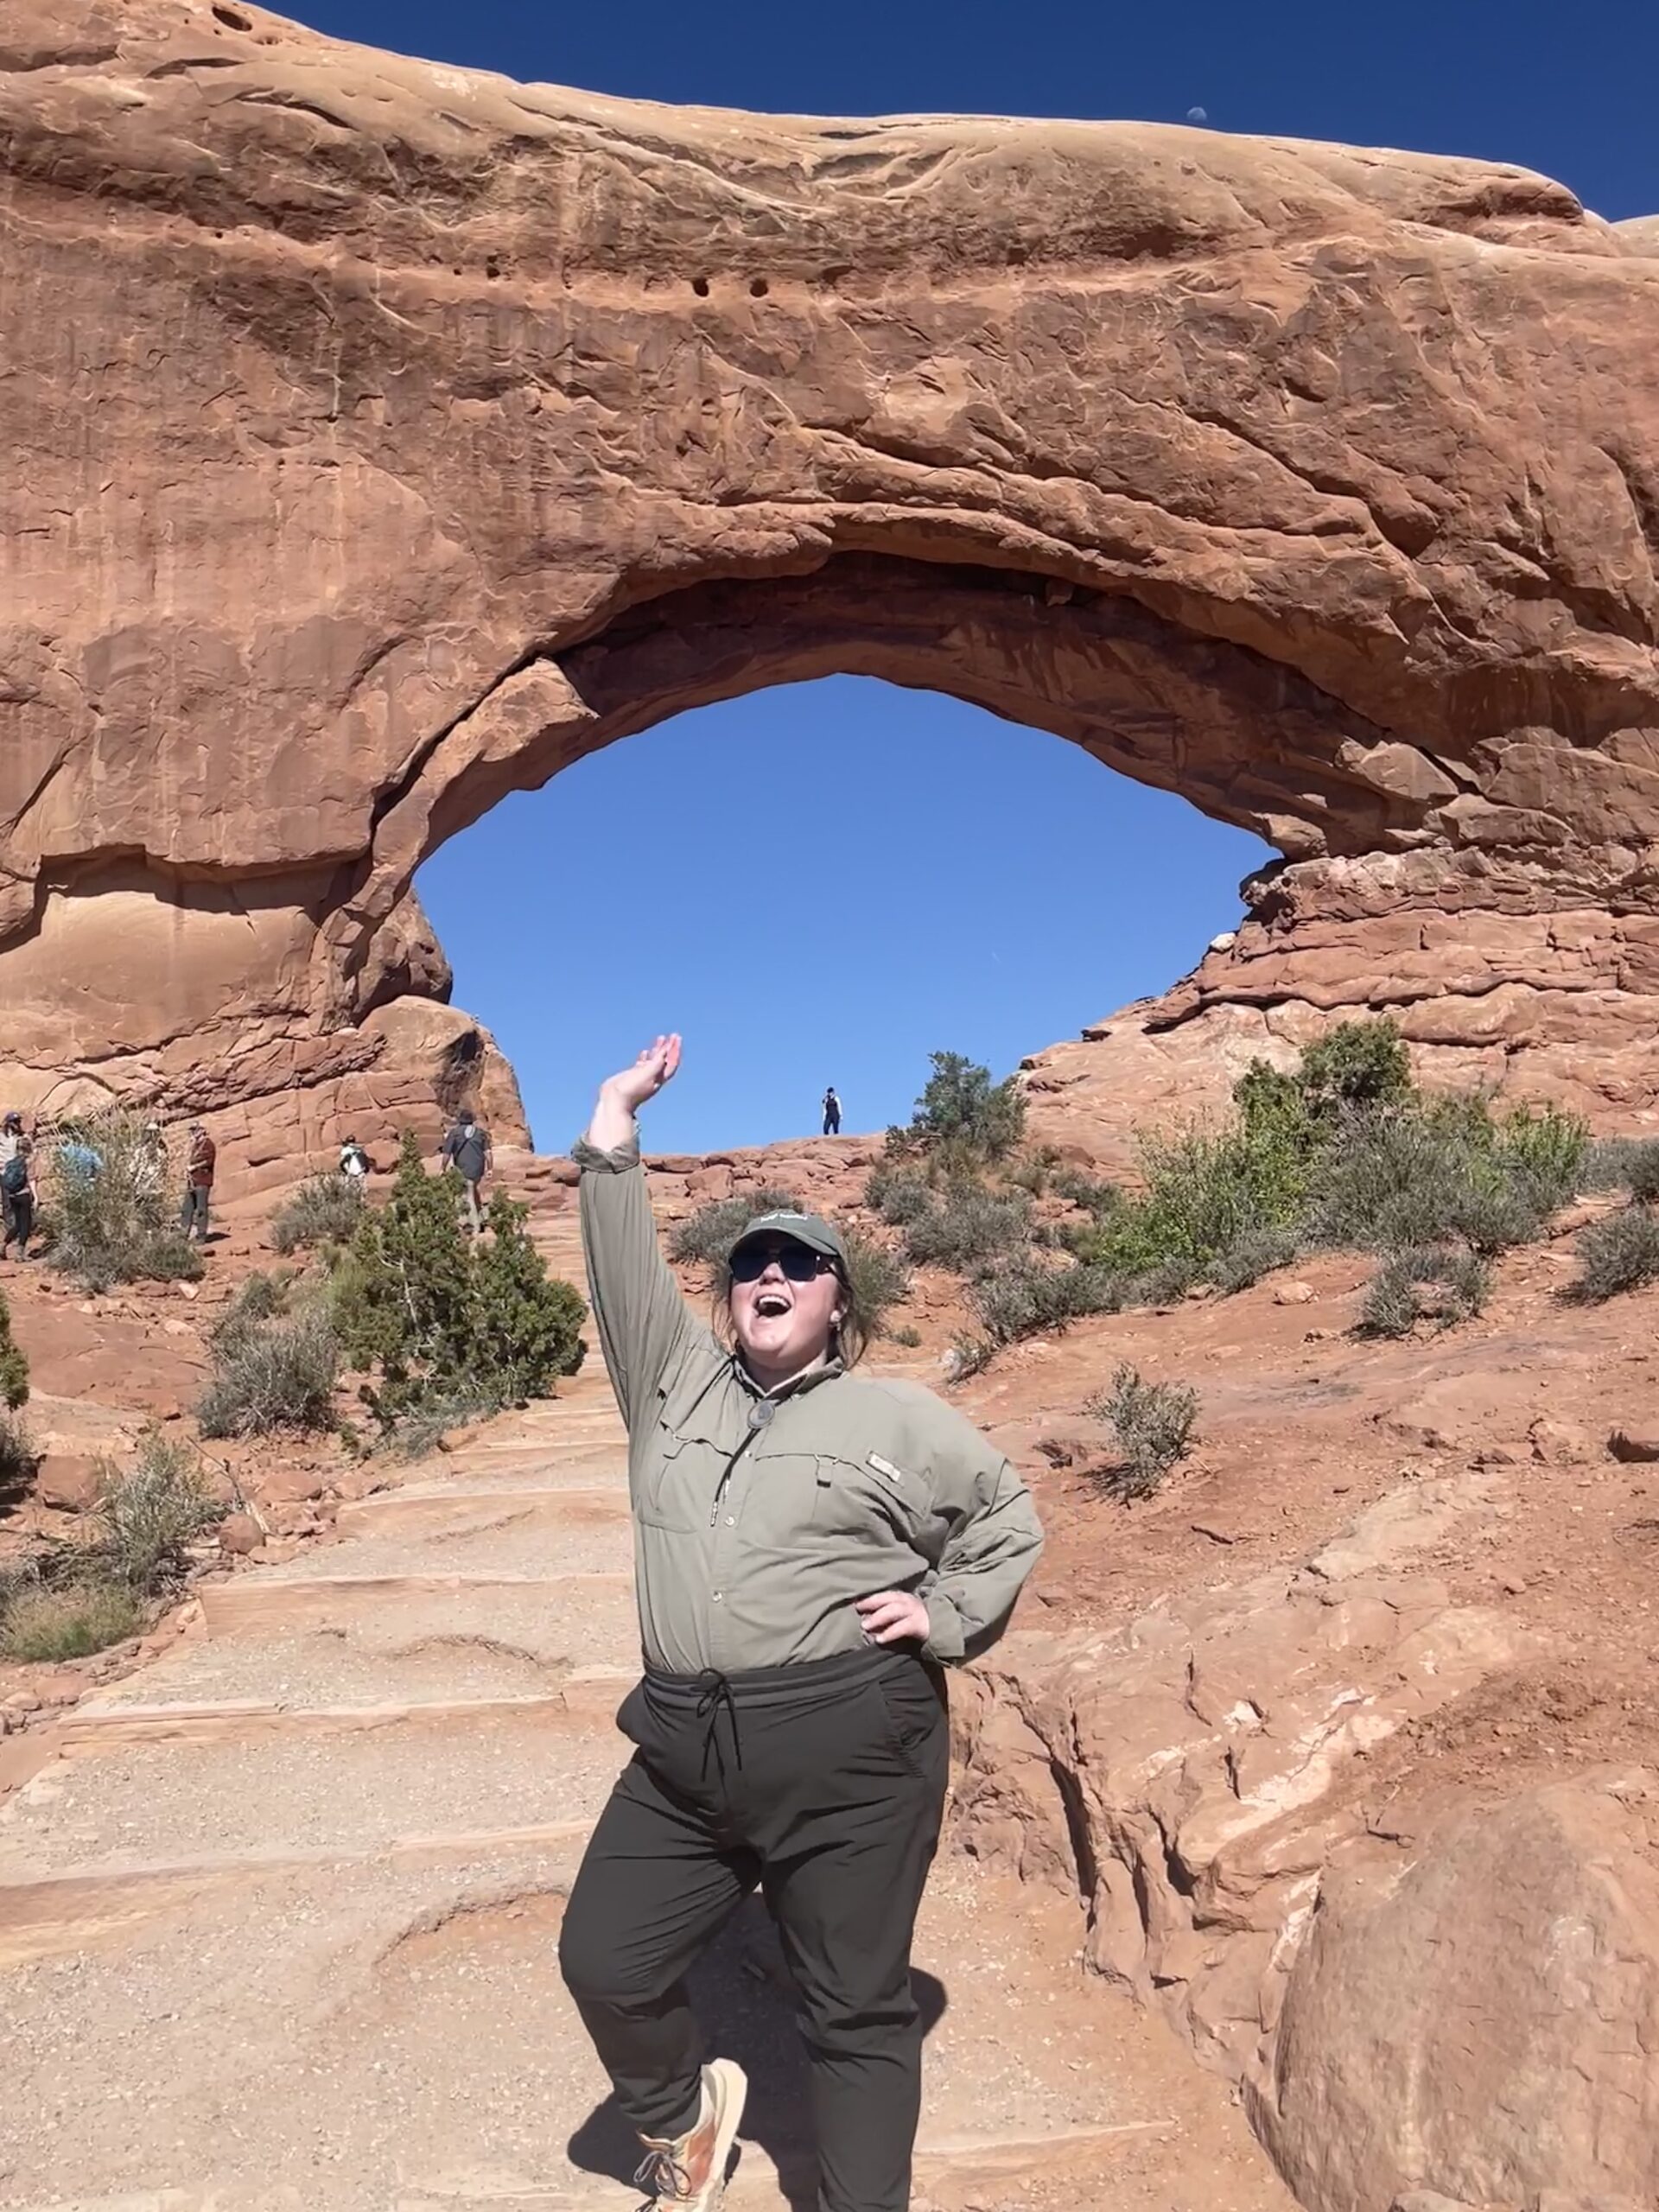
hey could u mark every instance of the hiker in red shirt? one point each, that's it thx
(198, 1184)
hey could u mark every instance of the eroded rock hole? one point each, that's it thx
(233, 19)
(700, 286)
(758, 287)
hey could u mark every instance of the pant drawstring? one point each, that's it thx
(715, 1690)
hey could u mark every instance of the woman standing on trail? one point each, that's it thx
(809, 1547)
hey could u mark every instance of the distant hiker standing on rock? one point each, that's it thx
(354, 1162)
(467, 1149)
(16, 1187)
(831, 1113)
(199, 1163)
(811, 1548)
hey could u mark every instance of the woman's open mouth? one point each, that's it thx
(770, 1305)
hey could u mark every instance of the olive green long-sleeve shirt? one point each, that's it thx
(761, 1520)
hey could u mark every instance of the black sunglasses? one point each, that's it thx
(750, 1261)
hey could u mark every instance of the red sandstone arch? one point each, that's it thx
(382, 436)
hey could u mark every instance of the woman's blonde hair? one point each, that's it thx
(850, 1339)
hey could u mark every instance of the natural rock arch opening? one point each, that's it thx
(386, 433)
(824, 879)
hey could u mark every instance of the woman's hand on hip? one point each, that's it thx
(622, 1095)
(894, 1617)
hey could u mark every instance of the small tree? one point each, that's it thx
(963, 1114)
(526, 1323)
(438, 1317)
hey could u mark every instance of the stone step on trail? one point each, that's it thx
(390, 1661)
(590, 1617)
(453, 1507)
(514, 1535)
(287, 1794)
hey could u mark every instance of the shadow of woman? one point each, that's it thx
(744, 1996)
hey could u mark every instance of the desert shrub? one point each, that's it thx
(19, 1455)
(899, 1195)
(963, 1118)
(1631, 1162)
(1033, 1170)
(1445, 1174)
(259, 1299)
(46, 1623)
(1356, 1064)
(907, 1337)
(1258, 1252)
(708, 1234)
(418, 1431)
(1205, 1194)
(1153, 1423)
(117, 1223)
(1621, 1253)
(1022, 1296)
(324, 1210)
(1423, 1281)
(1092, 1194)
(1546, 1150)
(879, 1281)
(14, 1368)
(272, 1375)
(148, 1515)
(437, 1318)
(967, 1226)
(969, 1356)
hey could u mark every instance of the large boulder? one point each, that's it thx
(1482, 2017)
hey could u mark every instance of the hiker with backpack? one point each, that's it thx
(17, 1187)
(467, 1149)
(198, 1184)
(831, 1113)
(813, 1549)
(355, 1163)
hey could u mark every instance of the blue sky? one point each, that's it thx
(947, 879)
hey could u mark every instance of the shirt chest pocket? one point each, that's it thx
(872, 1497)
(677, 1485)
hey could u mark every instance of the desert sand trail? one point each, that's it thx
(278, 1914)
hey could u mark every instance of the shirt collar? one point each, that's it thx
(822, 1370)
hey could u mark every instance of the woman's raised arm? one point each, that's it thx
(643, 1320)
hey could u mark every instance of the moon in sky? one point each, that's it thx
(1197, 115)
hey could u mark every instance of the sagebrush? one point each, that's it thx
(110, 1208)
(709, 1235)
(1153, 1423)
(324, 1210)
(149, 1514)
(270, 1375)
(1618, 1254)
(1423, 1281)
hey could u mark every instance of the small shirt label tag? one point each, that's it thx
(885, 1468)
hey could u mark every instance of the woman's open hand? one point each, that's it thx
(894, 1617)
(622, 1095)
(655, 1067)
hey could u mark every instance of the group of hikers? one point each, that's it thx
(465, 1150)
(78, 1160)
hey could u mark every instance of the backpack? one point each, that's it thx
(14, 1176)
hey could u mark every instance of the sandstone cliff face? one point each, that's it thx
(383, 437)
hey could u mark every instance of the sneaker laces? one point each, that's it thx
(662, 2176)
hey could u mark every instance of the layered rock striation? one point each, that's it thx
(383, 436)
